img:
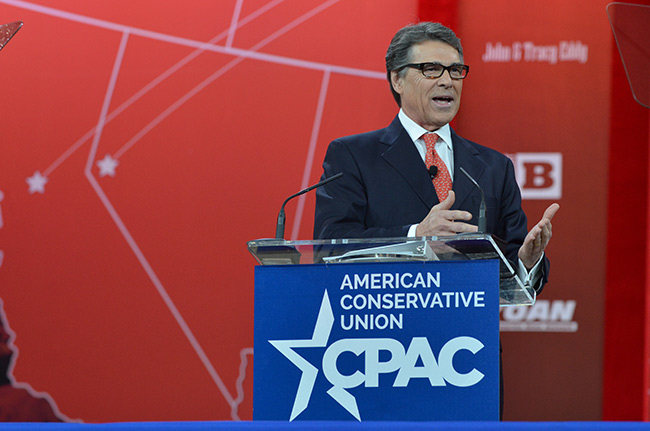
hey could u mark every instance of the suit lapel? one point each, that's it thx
(402, 155)
(465, 157)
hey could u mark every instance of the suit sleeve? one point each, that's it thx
(342, 205)
(513, 225)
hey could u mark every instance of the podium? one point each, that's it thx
(401, 329)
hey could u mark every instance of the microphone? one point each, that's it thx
(279, 229)
(482, 221)
(433, 171)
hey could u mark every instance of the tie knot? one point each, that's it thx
(430, 139)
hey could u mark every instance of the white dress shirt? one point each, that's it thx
(445, 150)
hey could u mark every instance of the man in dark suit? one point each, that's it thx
(396, 181)
(387, 188)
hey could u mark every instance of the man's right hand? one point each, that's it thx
(443, 221)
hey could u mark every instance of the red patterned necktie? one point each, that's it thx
(442, 180)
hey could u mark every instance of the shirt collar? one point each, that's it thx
(415, 131)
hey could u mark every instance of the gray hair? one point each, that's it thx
(399, 51)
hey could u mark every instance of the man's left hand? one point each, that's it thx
(537, 239)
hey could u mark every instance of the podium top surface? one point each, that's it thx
(464, 247)
(453, 247)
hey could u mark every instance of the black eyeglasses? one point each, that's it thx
(435, 70)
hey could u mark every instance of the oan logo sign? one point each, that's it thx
(539, 175)
(544, 316)
(415, 361)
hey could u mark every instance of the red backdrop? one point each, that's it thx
(125, 276)
(144, 143)
(627, 324)
(539, 75)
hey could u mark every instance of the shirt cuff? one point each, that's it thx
(412, 230)
(530, 278)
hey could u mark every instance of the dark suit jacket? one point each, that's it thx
(386, 188)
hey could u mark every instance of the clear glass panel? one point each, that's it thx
(341, 251)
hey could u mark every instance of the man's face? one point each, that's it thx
(431, 103)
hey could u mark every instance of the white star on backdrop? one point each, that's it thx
(107, 166)
(36, 183)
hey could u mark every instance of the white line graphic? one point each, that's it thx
(233, 23)
(243, 363)
(107, 102)
(134, 246)
(310, 154)
(154, 83)
(180, 102)
(239, 55)
(271, 58)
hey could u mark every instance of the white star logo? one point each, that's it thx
(36, 183)
(107, 166)
(321, 335)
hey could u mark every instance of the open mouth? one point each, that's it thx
(443, 100)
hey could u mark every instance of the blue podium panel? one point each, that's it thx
(377, 341)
